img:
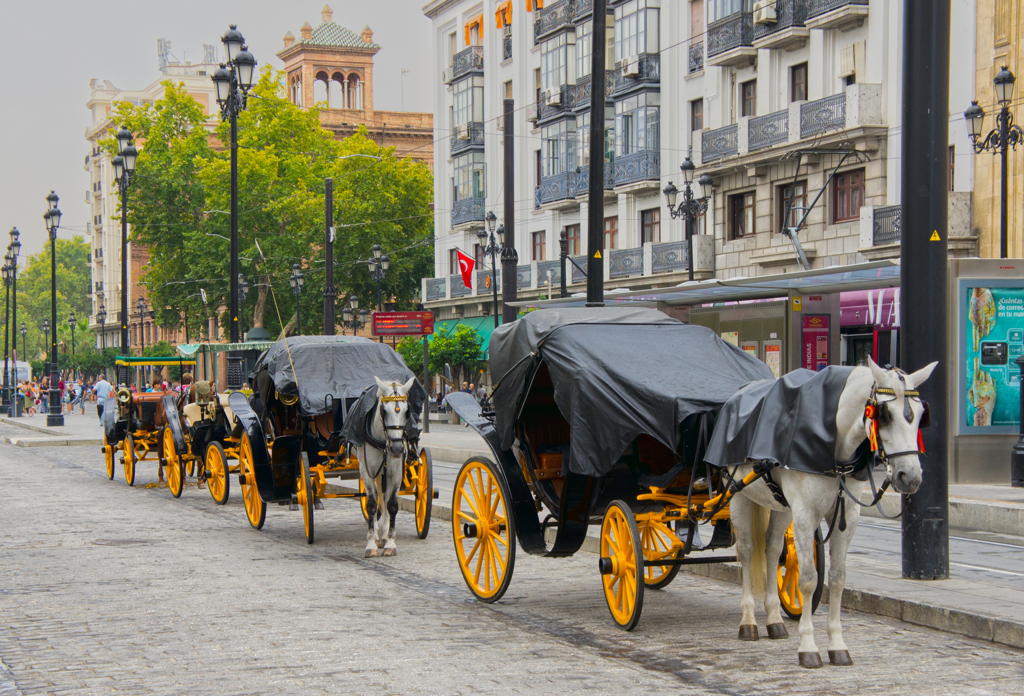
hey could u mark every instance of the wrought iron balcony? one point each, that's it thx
(644, 165)
(669, 256)
(582, 181)
(470, 59)
(765, 131)
(558, 187)
(719, 143)
(648, 72)
(734, 31)
(467, 136)
(886, 225)
(555, 267)
(468, 210)
(524, 277)
(582, 8)
(436, 288)
(696, 63)
(623, 263)
(839, 14)
(823, 115)
(788, 13)
(459, 287)
(585, 87)
(550, 19)
(565, 102)
(577, 275)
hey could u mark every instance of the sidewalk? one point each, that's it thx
(77, 430)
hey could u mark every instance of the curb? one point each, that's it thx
(51, 441)
(996, 516)
(35, 428)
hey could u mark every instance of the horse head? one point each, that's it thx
(394, 413)
(896, 415)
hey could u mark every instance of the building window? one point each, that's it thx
(536, 83)
(468, 101)
(538, 245)
(611, 232)
(798, 192)
(720, 9)
(1001, 22)
(748, 98)
(697, 115)
(572, 240)
(798, 83)
(650, 225)
(584, 47)
(559, 151)
(508, 89)
(556, 67)
(636, 123)
(741, 215)
(453, 261)
(583, 137)
(469, 176)
(847, 196)
(478, 254)
(952, 167)
(453, 47)
(636, 28)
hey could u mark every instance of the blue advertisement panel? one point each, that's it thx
(991, 340)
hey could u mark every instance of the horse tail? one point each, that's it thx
(759, 517)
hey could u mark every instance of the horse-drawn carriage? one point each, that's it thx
(602, 416)
(297, 431)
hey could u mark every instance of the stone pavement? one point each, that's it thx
(110, 589)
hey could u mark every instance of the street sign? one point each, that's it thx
(402, 323)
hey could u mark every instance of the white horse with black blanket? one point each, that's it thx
(382, 458)
(878, 410)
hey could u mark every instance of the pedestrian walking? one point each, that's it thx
(102, 391)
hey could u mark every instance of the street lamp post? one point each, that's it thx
(46, 342)
(101, 321)
(491, 246)
(15, 248)
(72, 322)
(52, 218)
(243, 292)
(1005, 135)
(233, 81)
(140, 305)
(5, 403)
(378, 265)
(690, 207)
(350, 317)
(124, 167)
(297, 279)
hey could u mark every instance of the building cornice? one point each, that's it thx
(438, 7)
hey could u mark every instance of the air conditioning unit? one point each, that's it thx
(462, 132)
(446, 76)
(631, 66)
(764, 12)
(553, 97)
(531, 112)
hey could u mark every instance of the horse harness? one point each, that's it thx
(382, 445)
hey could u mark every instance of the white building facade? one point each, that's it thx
(777, 100)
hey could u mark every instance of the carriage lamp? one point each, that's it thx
(689, 208)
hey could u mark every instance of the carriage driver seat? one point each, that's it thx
(229, 415)
(193, 412)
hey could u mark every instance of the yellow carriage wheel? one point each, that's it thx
(790, 596)
(424, 491)
(622, 564)
(484, 529)
(108, 456)
(217, 473)
(128, 450)
(175, 467)
(255, 509)
(658, 541)
(305, 489)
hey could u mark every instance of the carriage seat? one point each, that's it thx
(193, 413)
(148, 408)
(229, 415)
(324, 424)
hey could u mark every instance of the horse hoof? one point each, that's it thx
(748, 632)
(840, 658)
(776, 631)
(810, 660)
(389, 552)
(370, 553)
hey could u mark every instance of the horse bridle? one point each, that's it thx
(389, 428)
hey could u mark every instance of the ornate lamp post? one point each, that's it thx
(52, 218)
(46, 337)
(491, 246)
(124, 167)
(297, 279)
(24, 332)
(233, 81)
(378, 265)
(690, 207)
(350, 318)
(140, 305)
(243, 292)
(101, 321)
(1005, 135)
(5, 402)
(15, 248)
(72, 322)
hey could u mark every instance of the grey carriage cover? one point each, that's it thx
(617, 373)
(790, 422)
(339, 366)
(355, 421)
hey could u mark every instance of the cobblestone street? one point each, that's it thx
(110, 589)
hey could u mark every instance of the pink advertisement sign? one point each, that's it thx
(815, 342)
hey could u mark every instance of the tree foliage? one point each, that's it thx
(459, 348)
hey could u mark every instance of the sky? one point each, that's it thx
(52, 50)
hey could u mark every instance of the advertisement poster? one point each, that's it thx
(815, 342)
(732, 337)
(992, 334)
(773, 358)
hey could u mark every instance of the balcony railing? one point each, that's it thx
(820, 7)
(506, 47)
(577, 275)
(788, 13)
(823, 115)
(483, 282)
(886, 225)
(669, 256)
(436, 288)
(582, 8)
(459, 287)
(557, 187)
(719, 143)
(582, 183)
(734, 31)
(468, 210)
(696, 57)
(555, 267)
(524, 277)
(623, 263)
(584, 88)
(565, 102)
(649, 73)
(467, 136)
(470, 59)
(765, 131)
(552, 18)
(638, 166)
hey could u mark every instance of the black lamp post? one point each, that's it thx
(140, 305)
(350, 317)
(233, 81)
(5, 402)
(378, 265)
(24, 332)
(52, 218)
(101, 321)
(243, 292)
(72, 322)
(492, 246)
(124, 167)
(690, 207)
(15, 248)
(1005, 135)
(297, 279)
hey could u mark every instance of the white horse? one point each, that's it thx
(382, 465)
(760, 521)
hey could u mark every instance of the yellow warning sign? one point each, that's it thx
(597, 254)
(935, 237)
(797, 304)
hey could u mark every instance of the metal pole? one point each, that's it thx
(494, 280)
(14, 323)
(563, 253)
(1004, 138)
(233, 271)
(56, 414)
(185, 308)
(7, 332)
(595, 203)
(925, 151)
(124, 268)
(379, 274)
(509, 257)
(426, 382)
(72, 352)
(689, 220)
(329, 292)
(1017, 455)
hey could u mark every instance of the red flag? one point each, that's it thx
(466, 264)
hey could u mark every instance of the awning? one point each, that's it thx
(483, 325)
(153, 361)
(476, 21)
(190, 349)
(503, 15)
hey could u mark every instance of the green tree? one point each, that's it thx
(459, 348)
